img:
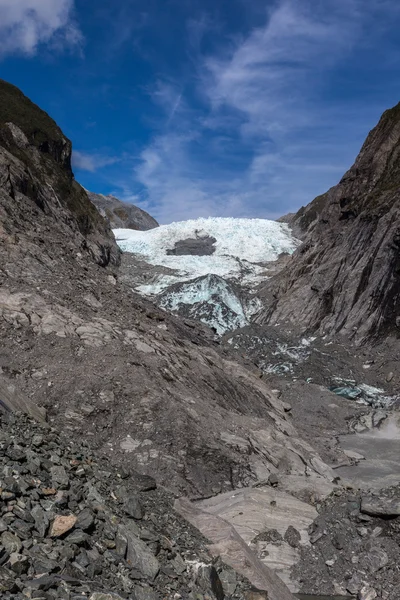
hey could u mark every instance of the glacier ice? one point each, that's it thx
(204, 287)
(212, 300)
(240, 245)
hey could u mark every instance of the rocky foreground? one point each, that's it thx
(354, 546)
(72, 528)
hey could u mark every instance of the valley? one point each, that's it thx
(207, 409)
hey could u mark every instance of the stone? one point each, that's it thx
(133, 508)
(77, 536)
(61, 525)
(292, 537)
(207, 577)
(330, 563)
(11, 542)
(139, 557)
(354, 584)
(85, 519)
(367, 593)
(353, 455)
(7, 581)
(142, 483)
(19, 563)
(59, 477)
(145, 593)
(273, 479)
(374, 560)
(41, 520)
(229, 581)
(380, 507)
(43, 583)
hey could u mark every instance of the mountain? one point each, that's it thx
(144, 457)
(345, 277)
(122, 214)
(146, 396)
(41, 204)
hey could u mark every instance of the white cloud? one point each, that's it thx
(264, 136)
(91, 162)
(25, 24)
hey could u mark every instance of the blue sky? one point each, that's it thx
(189, 108)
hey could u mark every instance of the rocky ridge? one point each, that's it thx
(345, 277)
(42, 207)
(122, 214)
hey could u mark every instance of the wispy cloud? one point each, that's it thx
(257, 134)
(26, 24)
(92, 162)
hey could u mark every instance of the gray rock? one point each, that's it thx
(11, 542)
(7, 581)
(85, 519)
(145, 593)
(292, 537)
(380, 507)
(59, 477)
(139, 557)
(354, 584)
(41, 520)
(374, 560)
(273, 479)
(133, 508)
(18, 563)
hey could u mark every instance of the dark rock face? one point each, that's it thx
(203, 246)
(40, 202)
(346, 276)
(122, 215)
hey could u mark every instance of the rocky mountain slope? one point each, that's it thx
(41, 204)
(149, 392)
(345, 278)
(122, 214)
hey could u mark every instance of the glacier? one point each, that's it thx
(212, 300)
(240, 249)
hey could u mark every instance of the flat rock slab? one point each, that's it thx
(254, 511)
(233, 550)
(380, 507)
